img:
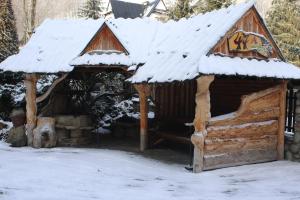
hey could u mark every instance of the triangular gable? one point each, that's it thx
(104, 39)
(249, 38)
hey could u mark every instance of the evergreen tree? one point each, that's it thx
(8, 32)
(184, 8)
(181, 9)
(209, 5)
(92, 9)
(284, 23)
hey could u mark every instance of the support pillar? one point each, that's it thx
(31, 107)
(144, 92)
(202, 116)
(281, 121)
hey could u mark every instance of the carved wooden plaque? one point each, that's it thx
(241, 42)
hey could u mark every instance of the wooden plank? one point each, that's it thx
(246, 130)
(250, 117)
(104, 39)
(239, 158)
(265, 102)
(217, 146)
(281, 121)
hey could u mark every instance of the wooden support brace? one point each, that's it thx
(202, 116)
(52, 87)
(281, 121)
(144, 92)
(31, 107)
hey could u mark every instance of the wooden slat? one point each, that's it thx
(239, 158)
(217, 146)
(249, 130)
(265, 115)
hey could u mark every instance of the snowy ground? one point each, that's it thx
(71, 173)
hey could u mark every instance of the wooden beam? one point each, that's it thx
(281, 121)
(31, 108)
(202, 116)
(51, 88)
(144, 92)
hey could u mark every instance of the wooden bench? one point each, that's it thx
(171, 130)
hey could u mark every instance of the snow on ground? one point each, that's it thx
(72, 173)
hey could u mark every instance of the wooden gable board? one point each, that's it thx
(249, 22)
(104, 39)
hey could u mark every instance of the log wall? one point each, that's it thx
(252, 134)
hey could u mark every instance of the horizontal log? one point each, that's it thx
(244, 130)
(239, 158)
(215, 146)
(265, 102)
(249, 117)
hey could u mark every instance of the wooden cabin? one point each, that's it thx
(218, 80)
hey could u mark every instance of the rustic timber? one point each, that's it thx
(175, 101)
(51, 88)
(228, 91)
(249, 22)
(202, 116)
(247, 130)
(249, 135)
(247, 111)
(281, 121)
(144, 92)
(239, 157)
(104, 39)
(31, 107)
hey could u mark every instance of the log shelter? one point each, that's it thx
(220, 73)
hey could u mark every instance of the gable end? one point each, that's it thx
(252, 26)
(104, 39)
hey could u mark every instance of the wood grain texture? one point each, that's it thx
(250, 22)
(239, 157)
(249, 135)
(144, 92)
(202, 116)
(104, 39)
(31, 106)
(281, 121)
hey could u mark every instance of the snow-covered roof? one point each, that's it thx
(53, 45)
(103, 58)
(180, 67)
(171, 51)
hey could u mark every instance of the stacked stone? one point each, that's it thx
(74, 130)
(292, 144)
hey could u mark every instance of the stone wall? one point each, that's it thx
(292, 142)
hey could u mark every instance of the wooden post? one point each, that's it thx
(31, 108)
(144, 92)
(202, 116)
(281, 121)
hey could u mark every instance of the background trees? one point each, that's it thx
(92, 9)
(8, 33)
(186, 8)
(284, 22)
